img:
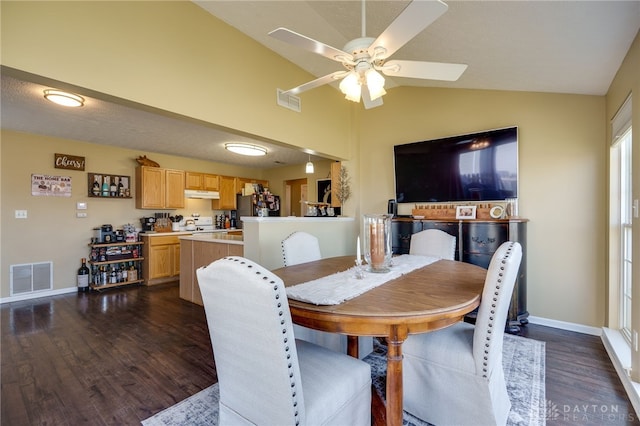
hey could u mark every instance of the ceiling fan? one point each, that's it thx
(365, 57)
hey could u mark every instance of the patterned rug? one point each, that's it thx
(524, 367)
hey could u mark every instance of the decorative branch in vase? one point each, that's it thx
(343, 190)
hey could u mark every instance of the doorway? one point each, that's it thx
(295, 196)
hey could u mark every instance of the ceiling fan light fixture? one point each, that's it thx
(350, 86)
(63, 98)
(246, 149)
(375, 83)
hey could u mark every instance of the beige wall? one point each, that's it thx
(562, 179)
(52, 232)
(143, 51)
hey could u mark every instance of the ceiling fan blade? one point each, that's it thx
(417, 16)
(424, 70)
(310, 44)
(366, 99)
(329, 78)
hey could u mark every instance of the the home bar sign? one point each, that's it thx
(69, 162)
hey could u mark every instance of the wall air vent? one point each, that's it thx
(288, 101)
(31, 277)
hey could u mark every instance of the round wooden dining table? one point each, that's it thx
(426, 299)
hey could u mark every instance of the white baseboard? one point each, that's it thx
(39, 294)
(569, 326)
(620, 355)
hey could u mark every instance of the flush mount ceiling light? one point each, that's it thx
(309, 166)
(63, 98)
(246, 149)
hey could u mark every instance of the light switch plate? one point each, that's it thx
(81, 214)
(21, 214)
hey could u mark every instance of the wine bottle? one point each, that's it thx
(95, 190)
(114, 187)
(105, 186)
(120, 189)
(83, 277)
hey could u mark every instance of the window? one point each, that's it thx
(622, 214)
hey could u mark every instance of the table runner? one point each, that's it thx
(342, 286)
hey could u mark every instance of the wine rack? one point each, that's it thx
(115, 264)
(100, 185)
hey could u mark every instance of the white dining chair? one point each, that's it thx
(454, 376)
(266, 376)
(300, 247)
(433, 242)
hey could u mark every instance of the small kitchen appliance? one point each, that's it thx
(147, 223)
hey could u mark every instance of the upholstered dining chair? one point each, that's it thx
(300, 247)
(266, 376)
(433, 242)
(454, 376)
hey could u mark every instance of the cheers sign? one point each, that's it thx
(69, 162)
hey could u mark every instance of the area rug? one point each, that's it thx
(524, 367)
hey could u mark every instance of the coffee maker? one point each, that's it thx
(147, 223)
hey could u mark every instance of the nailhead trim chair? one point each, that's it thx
(266, 376)
(454, 376)
(300, 247)
(433, 242)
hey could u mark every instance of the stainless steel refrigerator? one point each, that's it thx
(251, 205)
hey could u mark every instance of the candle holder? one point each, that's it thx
(377, 242)
(359, 270)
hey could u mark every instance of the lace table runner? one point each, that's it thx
(341, 286)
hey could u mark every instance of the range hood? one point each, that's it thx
(194, 193)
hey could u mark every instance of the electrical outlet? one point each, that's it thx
(81, 214)
(21, 214)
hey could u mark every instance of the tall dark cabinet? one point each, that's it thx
(476, 241)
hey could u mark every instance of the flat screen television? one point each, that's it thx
(480, 166)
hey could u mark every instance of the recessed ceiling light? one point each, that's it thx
(63, 98)
(246, 149)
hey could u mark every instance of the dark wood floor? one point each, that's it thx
(118, 357)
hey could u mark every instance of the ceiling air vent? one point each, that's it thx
(289, 101)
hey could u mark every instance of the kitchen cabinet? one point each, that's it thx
(240, 182)
(201, 181)
(158, 188)
(476, 242)
(195, 254)
(162, 254)
(115, 264)
(228, 193)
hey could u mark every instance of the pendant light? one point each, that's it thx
(309, 167)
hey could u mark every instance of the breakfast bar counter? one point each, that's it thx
(199, 250)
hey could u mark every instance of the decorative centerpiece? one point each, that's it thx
(377, 241)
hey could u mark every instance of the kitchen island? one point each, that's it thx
(199, 250)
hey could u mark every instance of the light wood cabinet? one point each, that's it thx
(228, 193)
(201, 181)
(162, 254)
(158, 188)
(240, 182)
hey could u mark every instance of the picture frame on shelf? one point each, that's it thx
(324, 191)
(465, 212)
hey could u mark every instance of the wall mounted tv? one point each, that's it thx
(480, 166)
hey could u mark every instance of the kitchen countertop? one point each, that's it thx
(216, 237)
(183, 233)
